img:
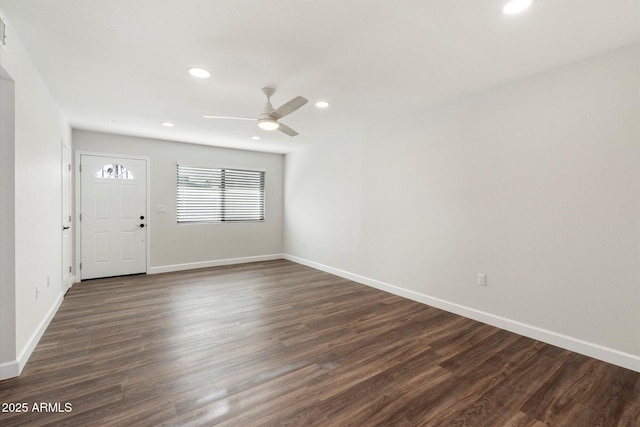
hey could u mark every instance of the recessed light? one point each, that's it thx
(167, 124)
(516, 6)
(200, 73)
(322, 104)
(255, 137)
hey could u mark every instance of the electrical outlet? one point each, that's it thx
(482, 279)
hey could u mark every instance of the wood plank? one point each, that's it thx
(277, 343)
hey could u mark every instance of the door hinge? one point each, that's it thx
(80, 266)
(69, 218)
(69, 167)
(80, 167)
(80, 217)
(69, 269)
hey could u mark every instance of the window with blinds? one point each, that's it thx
(219, 195)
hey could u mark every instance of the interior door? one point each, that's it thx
(113, 216)
(66, 217)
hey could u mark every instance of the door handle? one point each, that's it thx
(141, 225)
(65, 228)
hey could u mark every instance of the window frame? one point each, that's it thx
(224, 201)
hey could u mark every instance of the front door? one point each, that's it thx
(113, 216)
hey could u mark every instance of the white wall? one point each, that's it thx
(535, 183)
(7, 219)
(176, 246)
(39, 130)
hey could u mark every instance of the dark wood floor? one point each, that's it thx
(276, 343)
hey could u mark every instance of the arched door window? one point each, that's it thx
(114, 171)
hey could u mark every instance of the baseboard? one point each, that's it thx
(9, 369)
(72, 280)
(13, 368)
(609, 355)
(213, 263)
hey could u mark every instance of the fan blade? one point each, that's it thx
(288, 108)
(286, 129)
(230, 117)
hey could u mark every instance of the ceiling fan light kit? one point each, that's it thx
(268, 123)
(269, 118)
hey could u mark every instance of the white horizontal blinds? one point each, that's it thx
(199, 194)
(243, 195)
(219, 195)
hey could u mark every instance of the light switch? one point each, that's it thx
(482, 279)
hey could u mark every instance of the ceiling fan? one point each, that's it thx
(269, 118)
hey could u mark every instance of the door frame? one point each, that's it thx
(78, 204)
(66, 285)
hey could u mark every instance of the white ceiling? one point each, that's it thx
(120, 66)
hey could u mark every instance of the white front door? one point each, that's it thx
(66, 218)
(113, 216)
